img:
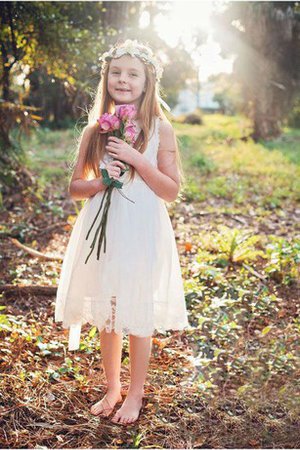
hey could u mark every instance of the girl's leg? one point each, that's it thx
(140, 352)
(111, 352)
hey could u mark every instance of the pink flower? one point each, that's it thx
(125, 112)
(108, 122)
(129, 132)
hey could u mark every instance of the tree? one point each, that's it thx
(227, 94)
(265, 36)
(54, 47)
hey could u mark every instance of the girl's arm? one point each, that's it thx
(163, 180)
(79, 188)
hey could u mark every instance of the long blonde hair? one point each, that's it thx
(149, 109)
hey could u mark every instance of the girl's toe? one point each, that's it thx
(93, 410)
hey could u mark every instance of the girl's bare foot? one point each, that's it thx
(106, 405)
(129, 411)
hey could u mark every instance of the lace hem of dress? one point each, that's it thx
(75, 332)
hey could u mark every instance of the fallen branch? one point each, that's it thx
(29, 289)
(52, 227)
(236, 218)
(33, 229)
(256, 274)
(36, 253)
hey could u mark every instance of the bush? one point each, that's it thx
(192, 119)
(294, 116)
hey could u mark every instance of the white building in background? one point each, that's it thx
(187, 99)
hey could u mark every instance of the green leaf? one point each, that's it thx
(106, 178)
(266, 330)
(92, 332)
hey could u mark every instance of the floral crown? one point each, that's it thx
(134, 48)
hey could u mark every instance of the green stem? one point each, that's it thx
(102, 201)
(103, 222)
(105, 226)
(98, 229)
(93, 243)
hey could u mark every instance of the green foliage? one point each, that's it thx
(240, 340)
(228, 246)
(227, 93)
(68, 369)
(238, 170)
(203, 163)
(294, 116)
(242, 322)
(48, 348)
(283, 260)
(218, 187)
(175, 74)
(287, 145)
(18, 118)
(137, 440)
(51, 165)
(191, 190)
(5, 322)
(53, 35)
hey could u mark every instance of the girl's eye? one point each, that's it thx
(114, 72)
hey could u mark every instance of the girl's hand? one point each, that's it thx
(114, 169)
(119, 149)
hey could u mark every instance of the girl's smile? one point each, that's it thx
(122, 90)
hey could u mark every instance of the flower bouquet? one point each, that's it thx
(119, 124)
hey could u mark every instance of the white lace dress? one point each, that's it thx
(136, 286)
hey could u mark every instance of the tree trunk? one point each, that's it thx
(5, 76)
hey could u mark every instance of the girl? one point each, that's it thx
(136, 286)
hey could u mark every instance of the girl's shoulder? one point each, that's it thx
(165, 127)
(88, 131)
(164, 122)
(90, 127)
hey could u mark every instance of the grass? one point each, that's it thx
(224, 166)
(232, 169)
(288, 145)
(49, 154)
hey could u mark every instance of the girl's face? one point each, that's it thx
(126, 80)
